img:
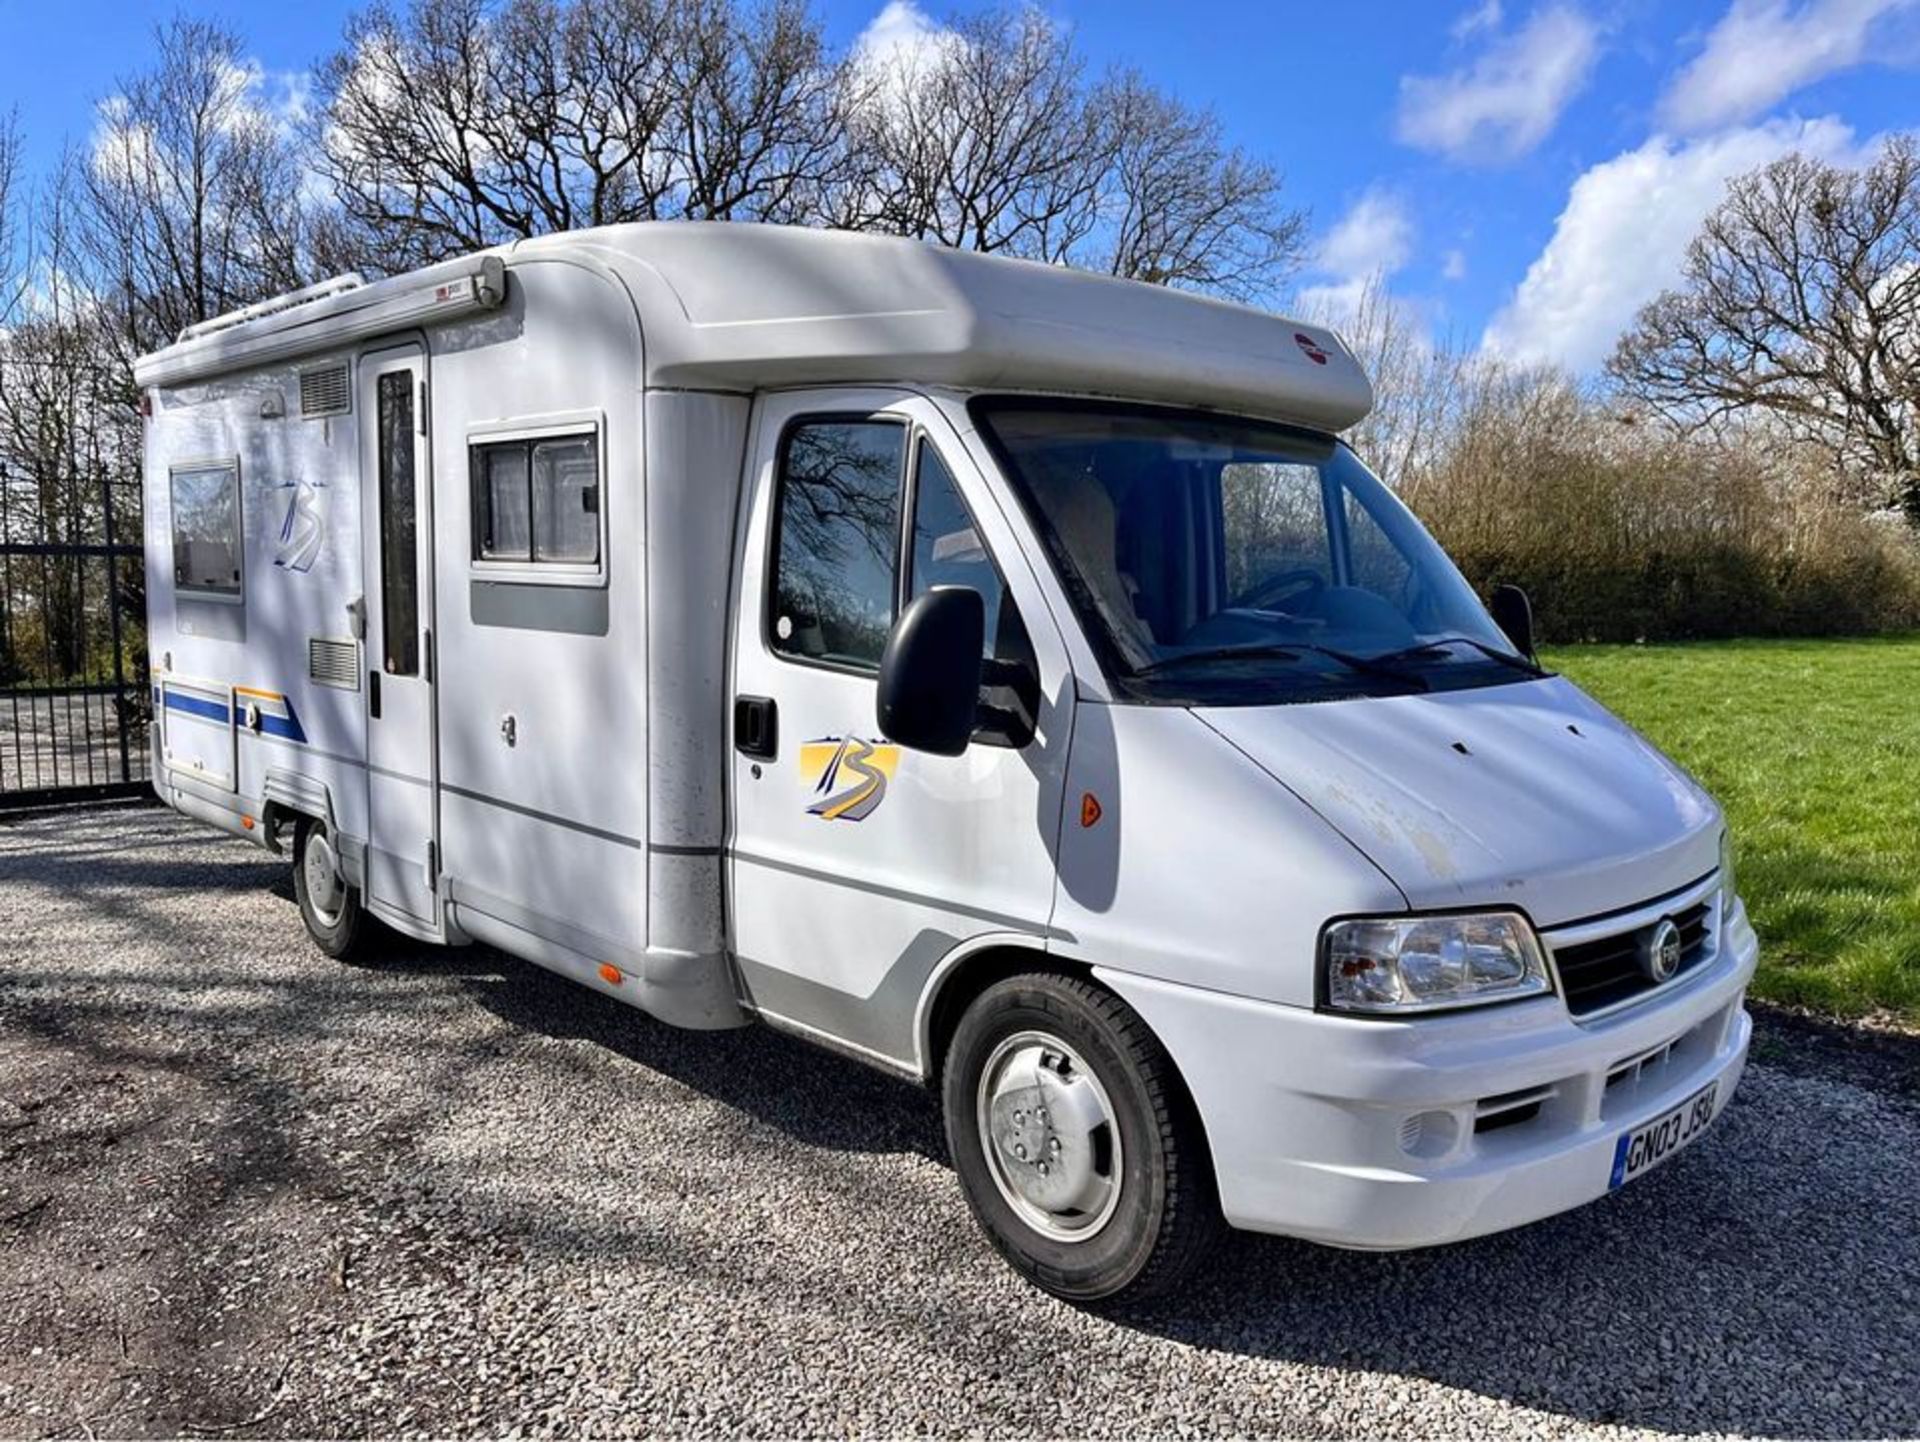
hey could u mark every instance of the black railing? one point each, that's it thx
(74, 705)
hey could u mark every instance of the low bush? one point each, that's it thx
(1624, 531)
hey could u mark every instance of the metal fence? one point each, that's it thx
(74, 704)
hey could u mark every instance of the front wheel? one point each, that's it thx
(328, 905)
(1076, 1144)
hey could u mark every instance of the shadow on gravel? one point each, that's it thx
(1767, 1282)
(1701, 1299)
(812, 1095)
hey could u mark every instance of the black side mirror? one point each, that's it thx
(1513, 613)
(929, 695)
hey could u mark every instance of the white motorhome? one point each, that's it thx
(999, 674)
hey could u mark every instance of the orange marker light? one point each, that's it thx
(1090, 812)
(246, 823)
(611, 974)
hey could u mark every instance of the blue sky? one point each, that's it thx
(1520, 175)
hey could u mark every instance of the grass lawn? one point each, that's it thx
(1813, 747)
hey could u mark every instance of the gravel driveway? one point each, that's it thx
(248, 1191)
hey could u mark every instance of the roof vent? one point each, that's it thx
(324, 392)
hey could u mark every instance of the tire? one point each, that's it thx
(1036, 1059)
(335, 920)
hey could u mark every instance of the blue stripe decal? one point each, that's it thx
(287, 725)
(196, 706)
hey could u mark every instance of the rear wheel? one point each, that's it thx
(1076, 1144)
(328, 905)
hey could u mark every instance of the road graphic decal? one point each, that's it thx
(850, 776)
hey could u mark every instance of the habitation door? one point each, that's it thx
(858, 866)
(397, 490)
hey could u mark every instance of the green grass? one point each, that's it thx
(1813, 747)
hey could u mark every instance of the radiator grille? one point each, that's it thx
(334, 663)
(1602, 973)
(324, 391)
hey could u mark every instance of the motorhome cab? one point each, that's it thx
(999, 674)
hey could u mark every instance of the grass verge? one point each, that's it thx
(1813, 747)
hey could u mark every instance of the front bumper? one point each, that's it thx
(1386, 1134)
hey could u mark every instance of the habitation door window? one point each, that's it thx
(206, 529)
(536, 501)
(838, 541)
(399, 545)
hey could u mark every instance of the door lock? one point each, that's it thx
(509, 729)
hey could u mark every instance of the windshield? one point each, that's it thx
(1235, 562)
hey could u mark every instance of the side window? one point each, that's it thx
(399, 547)
(206, 529)
(838, 539)
(948, 551)
(537, 501)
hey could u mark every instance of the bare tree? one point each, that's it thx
(12, 214)
(984, 137)
(1801, 300)
(192, 194)
(455, 127)
(1187, 208)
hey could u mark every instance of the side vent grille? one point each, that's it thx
(324, 392)
(334, 663)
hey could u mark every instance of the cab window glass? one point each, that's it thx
(1274, 524)
(838, 540)
(1377, 565)
(948, 551)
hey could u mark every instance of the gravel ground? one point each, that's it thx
(248, 1191)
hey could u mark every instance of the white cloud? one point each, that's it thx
(1508, 100)
(1484, 16)
(1762, 51)
(1367, 246)
(1623, 237)
(248, 95)
(1375, 234)
(1453, 265)
(901, 40)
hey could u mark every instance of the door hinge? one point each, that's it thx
(426, 655)
(433, 867)
(422, 426)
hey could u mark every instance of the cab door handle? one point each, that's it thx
(756, 727)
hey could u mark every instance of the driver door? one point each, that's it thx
(858, 865)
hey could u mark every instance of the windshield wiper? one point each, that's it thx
(1289, 650)
(1493, 653)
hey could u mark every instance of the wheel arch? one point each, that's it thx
(966, 971)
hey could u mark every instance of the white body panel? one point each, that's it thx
(562, 776)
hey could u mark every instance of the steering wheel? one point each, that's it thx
(1302, 578)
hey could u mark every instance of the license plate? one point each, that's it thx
(1646, 1147)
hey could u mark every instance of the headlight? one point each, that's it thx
(1424, 963)
(1728, 892)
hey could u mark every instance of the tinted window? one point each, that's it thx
(948, 551)
(838, 540)
(206, 529)
(399, 551)
(537, 502)
(1227, 561)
